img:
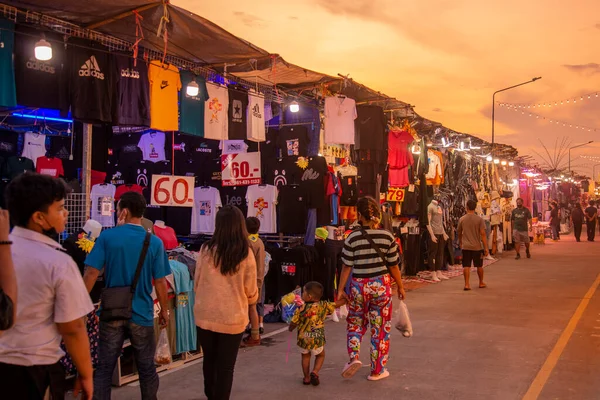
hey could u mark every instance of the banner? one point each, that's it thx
(241, 169)
(172, 191)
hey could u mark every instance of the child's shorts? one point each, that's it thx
(314, 352)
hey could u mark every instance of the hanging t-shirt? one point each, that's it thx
(238, 104)
(207, 201)
(370, 127)
(256, 118)
(38, 82)
(122, 189)
(435, 175)
(216, 113)
(235, 196)
(293, 141)
(292, 205)
(16, 166)
(8, 94)
(8, 143)
(132, 95)
(349, 191)
(167, 235)
(50, 166)
(233, 147)
(103, 204)
(313, 180)
(282, 171)
(34, 146)
(192, 107)
(184, 310)
(261, 204)
(340, 113)
(89, 81)
(165, 85)
(153, 146)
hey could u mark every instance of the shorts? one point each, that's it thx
(348, 213)
(521, 236)
(314, 352)
(472, 256)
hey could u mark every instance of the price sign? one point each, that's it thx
(395, 194)
(172, 191)
(240, 169)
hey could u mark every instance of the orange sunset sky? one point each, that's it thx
(446, 57)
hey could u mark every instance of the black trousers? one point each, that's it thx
(412, 254)
(577, 226)
(436, 252)
(220, 353)
(30, 383)
(333, 267)
(591, 230)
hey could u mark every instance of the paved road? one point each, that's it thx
(488, 343)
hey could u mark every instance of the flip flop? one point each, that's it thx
(467, 289)
(305, 382)
(482, 286)
(314, 379)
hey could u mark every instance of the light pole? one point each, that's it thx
(494, 104)
(574, 147)
(594, 172)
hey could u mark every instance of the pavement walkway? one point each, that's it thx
(539, 314)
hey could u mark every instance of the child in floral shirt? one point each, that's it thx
(310, 321)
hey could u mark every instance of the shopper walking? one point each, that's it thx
(473, 242)
(126, 253)
(577, 221)
(256, 311)
(521, 224)
(591, 216)
(225, 286)
(52, 297)
(371, 256)
(555, 221)
(8, 279)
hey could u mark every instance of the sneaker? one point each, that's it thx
(383, 375)
(335, 317)
(261, 330)
(249, 342)
(528, 254)
(518, 257)
(351, 368)
(441, 276)
(434, 277)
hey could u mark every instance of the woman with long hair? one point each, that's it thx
(224, 285)
(371, 256)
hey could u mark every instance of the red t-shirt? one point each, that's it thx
(167, 235)
(50, 166)
(121, 190)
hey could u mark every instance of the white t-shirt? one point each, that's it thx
(261, 204)
(340, 113)
(51, 291)
(207, 201)
(216, 123)
(256, 119)
(233, 147)
(153, 146)
(103, 204)
(34, 146)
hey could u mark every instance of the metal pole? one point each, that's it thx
(86, 168)
(570, 161)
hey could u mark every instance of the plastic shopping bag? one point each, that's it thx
(404, 325)
(344, 311)
(290, 303)
(163, 350)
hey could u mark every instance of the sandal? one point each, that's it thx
(467, 288)
(314, 379)
(482, 286)
(305, 382)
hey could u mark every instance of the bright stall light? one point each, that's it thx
(192, 89)
(489, 158)
(416, 149)
(43, 50)
(294, 107)
(511, 163)
(503, 162)
(496, 161)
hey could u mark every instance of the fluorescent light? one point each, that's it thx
(511, 163)
(503, 162)
(192, 89)
(294, 107)
(43, 50)
(489, 159)
(40, 117)
(496, 161)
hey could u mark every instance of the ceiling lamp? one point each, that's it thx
(43, 50)
(192, 89)
(496, 161)
(489, 158)
(511, 163)
(294, 107)
(503, 162)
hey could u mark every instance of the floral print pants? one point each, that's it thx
(370, 304)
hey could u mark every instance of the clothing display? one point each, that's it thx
(122, 189)
(192, 107)
(256, 118)
(233, 147)
(153, 146)
(16, 166)
(435, 174)
(292, 205)
(131, 105)
(184, 310)
(34, 146)
(8, 94)
(281, 171)
(165, 84)
(50, 166)
(216, 123)
(293, 141)
(9, 142)
(313, 181)
(400, 157)
(235, 196)
(207, 201)
(167, 235)
(340, 113)
(262, 200)
(103, 204)
(237, 113)
(370, 126)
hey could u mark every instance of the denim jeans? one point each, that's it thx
(220, 353)
(112, 336)
(555, 230)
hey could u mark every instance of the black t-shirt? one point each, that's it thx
(292, 205)
(131, 104)
(89, 81)
(590, 212)
(8, 143)
(410, 206)
(370, 126)
(281, 171)
(367, 173)
(349, 191)
(123, 149)
(577, 215)
(79, 255)
(60, 147)
(293, 141)
(238, 104)
(16, 166)
(235, 196)
(313, 180)
(154, 213)
(39, 83)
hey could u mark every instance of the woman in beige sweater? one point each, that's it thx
(225, 285)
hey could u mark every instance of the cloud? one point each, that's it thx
(597, 26)
(249, 20)
(589, 68)
(437, 110)
(293, 18)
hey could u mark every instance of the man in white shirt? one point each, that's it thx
(52, 299)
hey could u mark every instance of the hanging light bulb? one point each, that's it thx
(489, 158)
(294, 107)
(511, 163)
(43, 50)
(496, 161)
(192, 89)
(503, 162)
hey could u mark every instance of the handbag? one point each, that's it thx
(116, 302)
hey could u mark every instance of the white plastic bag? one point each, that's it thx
(404, 325)
(163, 350)
(343, 311)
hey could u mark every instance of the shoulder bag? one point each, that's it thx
(375, 247)
(116, 302)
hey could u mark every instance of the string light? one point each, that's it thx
(549, 104)
(564, 124)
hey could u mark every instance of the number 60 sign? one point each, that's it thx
(172, 191)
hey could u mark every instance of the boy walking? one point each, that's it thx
(471, 235)
(521, 221)
(256, 311)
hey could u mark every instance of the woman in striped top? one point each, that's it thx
(371, 256)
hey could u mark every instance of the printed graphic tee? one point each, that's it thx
(293, 141)
(233, 147)
(103, 204)
(235, 196)
(165, 84)
(192, 107)
(216, 113)
(50, 166)
(131, 105)
(313, 180)
(238, 104)
(256, 119)
(16, 166)
(262, 201)
(34, 146)
(8, 95)
(207, 201)
(153, 146)
(340, 113)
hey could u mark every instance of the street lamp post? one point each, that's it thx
(494, 104)
(574, 147)
(594, 172)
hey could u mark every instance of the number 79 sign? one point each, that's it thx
(172, 191)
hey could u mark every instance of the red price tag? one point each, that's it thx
(240, 169)
(395, 194)
(172, 191)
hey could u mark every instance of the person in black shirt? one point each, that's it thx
(577, 221)
(554, 221)
(591, 216)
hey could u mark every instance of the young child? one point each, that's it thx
(310, 321)
(256, 311)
